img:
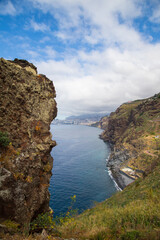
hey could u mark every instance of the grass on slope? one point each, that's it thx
(141, 137)
(132, 214)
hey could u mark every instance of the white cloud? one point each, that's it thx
(125, 66)
(93, 20)
(45, 39)
(103, 85)
(39, 26)
(7, 8)
(51, 53)
(33, 54)
(156, 15)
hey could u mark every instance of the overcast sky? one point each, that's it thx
(99, 53)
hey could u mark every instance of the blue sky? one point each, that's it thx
(99, 53)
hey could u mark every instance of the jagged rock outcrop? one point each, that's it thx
(133, 131)
(27, 107)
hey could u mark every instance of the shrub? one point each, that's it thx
(47, 222)
(4, 139)
(67, 217)
(11, 224)
(43, 221)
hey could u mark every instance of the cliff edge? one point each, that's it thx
(27, 107)
(133, 131)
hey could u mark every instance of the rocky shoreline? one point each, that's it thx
(121, 180)
(113, 164)
(133, 134)
(117, 157)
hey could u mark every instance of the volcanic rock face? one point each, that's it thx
(27, 107)
(134, 133)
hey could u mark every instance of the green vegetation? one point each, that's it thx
(43, 221)
(11, 224)
(4, 139)
(133, 213)
(67, 217)
(136, 128)
(47, 222)
(126, 108)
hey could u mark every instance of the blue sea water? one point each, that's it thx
(79, 168)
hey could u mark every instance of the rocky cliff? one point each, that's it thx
(103, 123)
(27, 107)
(133, 131)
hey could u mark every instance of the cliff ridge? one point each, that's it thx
(133, 131)
(27, 107)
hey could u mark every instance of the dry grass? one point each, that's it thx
(131, 214)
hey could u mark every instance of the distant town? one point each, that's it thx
(86, 119)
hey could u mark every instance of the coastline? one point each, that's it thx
(120, 178)
(114, 180)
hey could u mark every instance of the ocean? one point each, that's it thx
(79, 168)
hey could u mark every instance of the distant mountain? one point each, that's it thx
(85, 119)
(93, 117)
(133, 132)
